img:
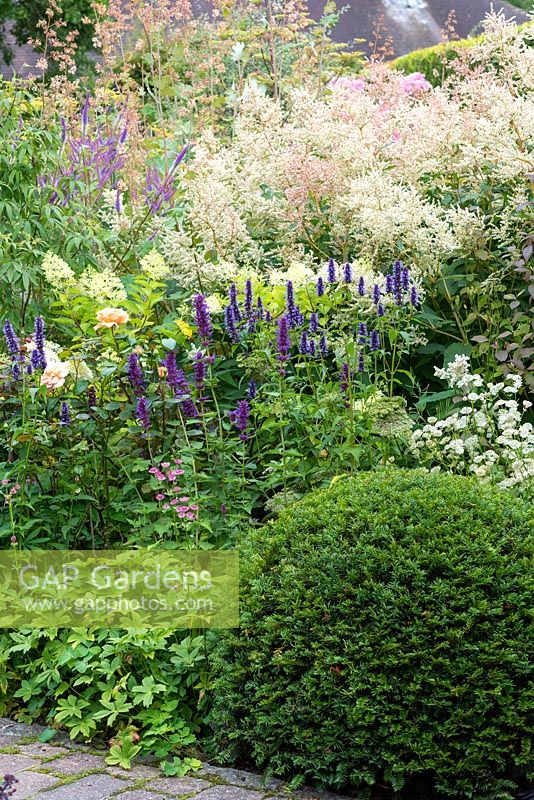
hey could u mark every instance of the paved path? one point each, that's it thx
(67, 771)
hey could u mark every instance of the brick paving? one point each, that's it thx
(68, 771)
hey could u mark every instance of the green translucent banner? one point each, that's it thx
(119, 588)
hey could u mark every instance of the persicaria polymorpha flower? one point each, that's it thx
(64, 417)
(135, 375)
(320, 287)
(361, 286)
(374, 342)
(347, 272)
(331, 271)
(142, 413)
(203, 318)
(314, 322)
(283, 341)
(240, 418)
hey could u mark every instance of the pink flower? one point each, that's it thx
(347, 84)
(54, 375)
(166, 507)
(109, 317)
(184, 499)
(160, 496)
(165, 464)
(193, 507)
(159, 475)
(153, 470)
(177, 460)
(174, 501)
(5, 482)
(416, 84)
(190, 515)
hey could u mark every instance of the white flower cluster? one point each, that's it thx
(154, 265)
(101, 285)
(486, 436)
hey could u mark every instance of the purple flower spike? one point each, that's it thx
(13, 344)
(414, 297)
(64, 417)
(405, 278)
(91, 397)
(232, 294)
(361, 361)
(314, 322)
(240, 418)
(229, 323)
(199, 371)
(260, 313)
(85, 112)
(362, 333)
(347, 272)
(203, 319)
(380, 311)
(375, 294)
(320, 287)
(331, 273)
(283, 341)
(135, 375)
(252, 390)
(361, 287)
(304, 348)
(312, 348)
(323, 346)
(389, 284)
(142, 413)
(374, 342)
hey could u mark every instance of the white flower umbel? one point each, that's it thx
(485, 436)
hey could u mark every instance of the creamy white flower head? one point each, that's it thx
(103, 286)
(57, 272)
(154, 265)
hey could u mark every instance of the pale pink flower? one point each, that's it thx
(54, 375)
(110, 317)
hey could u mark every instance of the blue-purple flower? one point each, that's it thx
(64, 416)
(374, 341)
(320, 287)
(347, 272)
(203, 318)
(142, 412)
(240, 418)
(361, 286)
(283, 341)
(135, 375)
(331, 271)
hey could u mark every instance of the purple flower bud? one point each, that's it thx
(268, 316)
(320, 287)
(64, 417)
(314, 322)
(389, 284)
(362, 333)
(303, 344)
(39, 332)
(180, 157)
(203, 318)
(135, 375)
(361, 361)
(142, 413)
(361, 287)
(347, 272)
(282, 339)
(29, 370)
(260, 310)
(124, 134)
(375, 294)
(405, 278)
(331, 272)
(91, 397)
(414, 297)
(312, 348)
(374, 343)
(232, 294)
(252, 390)
(380, 310)
(323, 346)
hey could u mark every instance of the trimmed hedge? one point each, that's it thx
(386, 632)
(437, 63)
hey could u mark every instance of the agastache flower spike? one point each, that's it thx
(323, 346)
(260, 309)
(282, 339)
(64, 416)
(240, 418)
(229, 323)
(314, 322)
(414, 297)
(203, 319)
(375, 294)
(85, 112)
(347, 272)
(389, 284)
(252, 390)
(361, 361)
(380, 310)
(374, 343)
(344, 377)
(320, 287)
(91, 397)
(361, 287)
(311, 347)
(135, 375)
(232, 294)
(248, 298)
(405, 278)
(142, 413)
(199, 371)
(331, 272)
(362, 333)
(303, 344)
(13, 344)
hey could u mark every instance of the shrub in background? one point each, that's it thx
(385, 638)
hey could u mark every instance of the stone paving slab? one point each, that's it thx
(50, 772)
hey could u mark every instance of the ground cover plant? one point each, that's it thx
(238, 263)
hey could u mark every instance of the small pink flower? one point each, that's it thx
(5, 482)
(13, 539)
(166, 507)
(184, 499)
(183, 509)
(193, 507)
(160, 496)
(153, 470)
(181, 514)
(191, 515)
(179, 471)
(160, 476)
(177, 489)
(165, 464)
(177, 460)
(174, 501)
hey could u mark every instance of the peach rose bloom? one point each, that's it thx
(109, 317)
(54, 375)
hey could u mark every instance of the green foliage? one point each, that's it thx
(386, 629)
(145, 691)
(438, 62)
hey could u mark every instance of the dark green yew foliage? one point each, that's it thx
(386, 631)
